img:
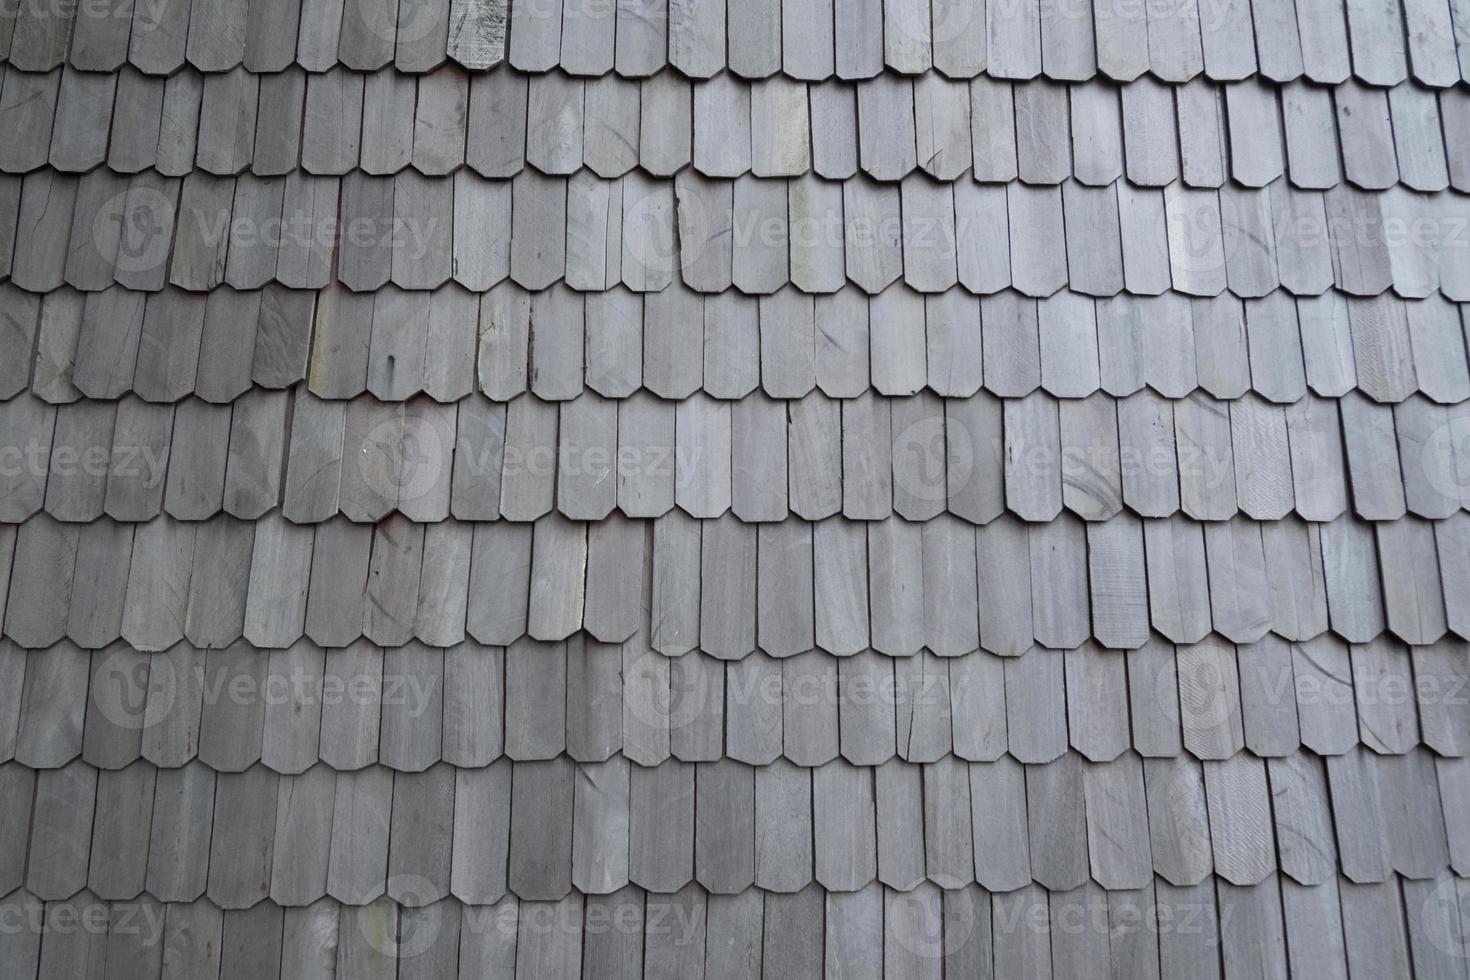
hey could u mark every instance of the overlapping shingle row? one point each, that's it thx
(1388, 928)
(559, 344)
(890, 127)
(730, 588)
(755, 235)
(678, 488)
(1380, 43)
(763, 459)
(412, 707)
(538, 829)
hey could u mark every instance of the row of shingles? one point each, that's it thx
(783, 588)
(414, 706)
(539, 829)
(559, 345)
(868, 458)
(596, 234)
(420, 232)
(415, 460)
(175, 581)
(258, 201)
(889, 127)
(806, 39)
(1382, 929)
(68, 347)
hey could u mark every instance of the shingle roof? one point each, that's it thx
(562, 487)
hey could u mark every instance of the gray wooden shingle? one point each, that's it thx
(872, 237)
(1178, 591)
(29, 102)
(1303, 823)
(178, 857)
(1373, 466)
(950, 610)
(611, 106)
(1098, 726)
(899, 797)
(1178, 823)
(1256, 153)
(1068, 46)
(1091, 464)
(1209, 699)
(477, 32)
(1385, 724)
(1033, 464)
(303, 831)
(814, 456)
(1356, 787)
(1003, 553)
(1042, 136)
(674, 599)
(1241, 829)
(241, 848)
(541, 829)
(40, 600)
(83, 109)
(60, 838)
(119, 684)
(1328, 722)
(535, 699)
(1059, 599)
(482, 799)
(1263, 479)
(1056, 819)
(1002, 850)
(1360, 263)
(753, 724)
(784, 592)
(1115, 555)
(923, 727)
(895, 586)
(291, 738)
(1311, 136)
(1299, 597)
(1413, 593)
(1317, 459)
(1038, 268)
(866, 721)
(1118, 847)
(1440, 726)
(1270, 720)
(1036, 713)
(230, 729)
